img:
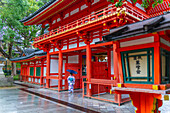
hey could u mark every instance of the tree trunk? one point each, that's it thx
(13, 69)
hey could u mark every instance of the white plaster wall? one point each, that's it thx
(73, 46)
(64, 48)
(165, 42)
(53, 82)
(29, 79)
(35, 79)
(64, 61)
(82, 44)
(56, 49)
(112, 70)
(54, 66)
(44, 71)
(54, 56)
(63, 82)
(51, 50)
(73, 59)
(137, 41)
(44, 80)
(95, 40)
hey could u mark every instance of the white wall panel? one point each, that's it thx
(64, 48)
(64, 61)
(53, 82)
(29, 79)
(54, 66)
(45, 71)
(112, 67)
(137, 41)
(82, 44)
(165, 42)
(95, 40)
(51, 50)
(73, 46)
(56, 49)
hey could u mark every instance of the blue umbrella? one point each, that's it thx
(72, 71)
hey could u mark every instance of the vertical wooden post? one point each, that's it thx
(28, 71)
(60, 70)
(42, 72)
(157, 61)
(146, 103)
(116, 70)
(34, 72)
(115, 63)
(109, 63)
(80, 70)
(48, 71)
(21, 73)
(88, 63)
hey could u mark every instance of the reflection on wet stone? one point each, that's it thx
(23, 102)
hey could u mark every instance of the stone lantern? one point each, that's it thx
(4, 81)
(1, 66)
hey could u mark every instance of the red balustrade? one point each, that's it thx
(92, 17)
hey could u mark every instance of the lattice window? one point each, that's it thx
(31, 71)
(38, 71)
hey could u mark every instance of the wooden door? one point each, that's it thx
(99, 71)
(75, 67)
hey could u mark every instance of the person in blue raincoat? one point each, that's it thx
(71, 82)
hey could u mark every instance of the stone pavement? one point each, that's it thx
(18, 101)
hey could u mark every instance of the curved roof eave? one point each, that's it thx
(38, 53)
(48, 4)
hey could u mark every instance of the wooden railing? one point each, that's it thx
(97, 85)
(91, 18)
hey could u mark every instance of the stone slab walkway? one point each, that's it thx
(19, 101)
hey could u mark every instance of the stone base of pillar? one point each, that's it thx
(6, 81)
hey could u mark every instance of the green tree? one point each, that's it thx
(145, 3)
(13, 33)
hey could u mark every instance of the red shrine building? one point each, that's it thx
(123, 50)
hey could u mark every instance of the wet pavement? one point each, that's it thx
(39, 100)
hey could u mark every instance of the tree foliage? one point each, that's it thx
(13, 32)
(14, 35)
(145, 3)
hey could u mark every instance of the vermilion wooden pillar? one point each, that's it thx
(116, 71)
(157, 61)
(109, 63)
(48, 71)
(21, 73)
(60, 70)
(88, 63)
(28, 71)
(42, 72)
(146, 102)
(115, 63)
(34, 72)
(80, 70)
